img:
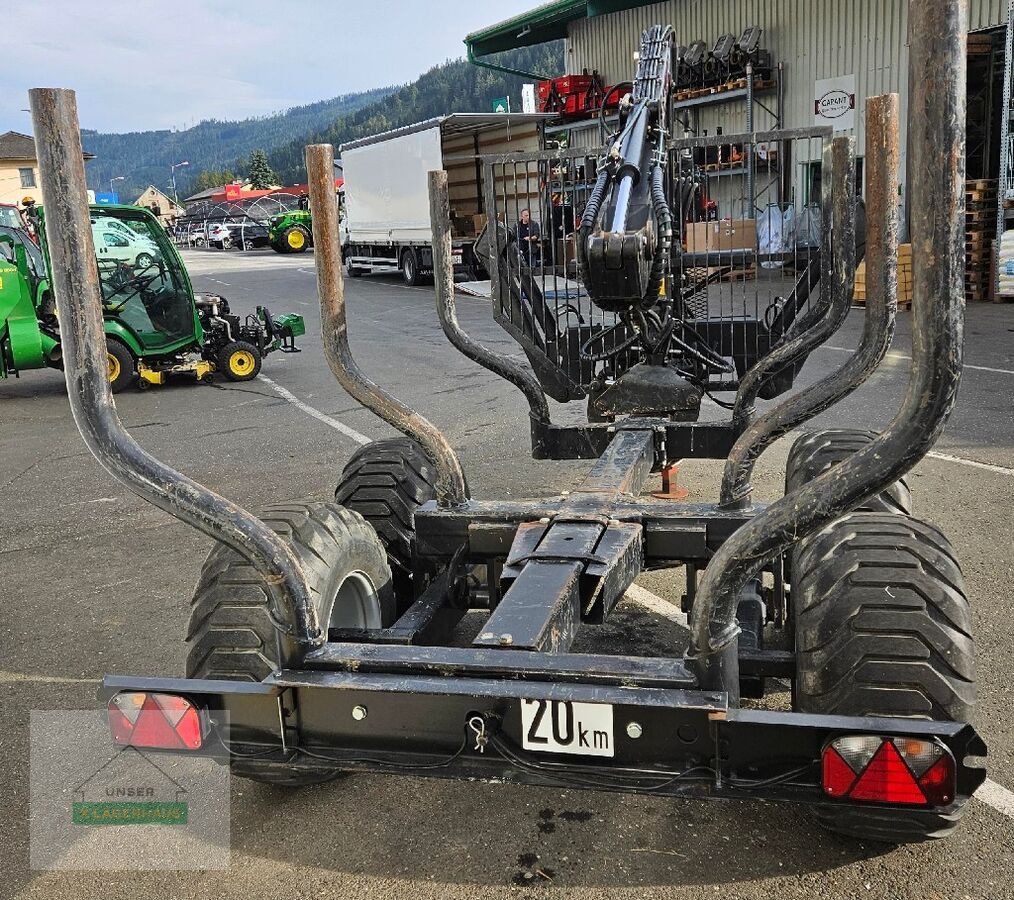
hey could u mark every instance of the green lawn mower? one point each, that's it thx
(155, 326)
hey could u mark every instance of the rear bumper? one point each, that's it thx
(408, 710)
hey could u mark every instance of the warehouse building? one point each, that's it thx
(827, 57)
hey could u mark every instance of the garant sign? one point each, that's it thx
(834, 102)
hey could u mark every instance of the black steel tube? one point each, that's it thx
(451, 489)
(447, 311)
(882, 154)
(936, 128)
(76, 282)
(838, 271)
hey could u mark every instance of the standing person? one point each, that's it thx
(529, 239)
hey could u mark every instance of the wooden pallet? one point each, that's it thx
(735, 85)
(981, 184)
(979, 217)
(903, 305)
(740, 275)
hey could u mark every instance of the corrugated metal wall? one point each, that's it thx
(814, 38)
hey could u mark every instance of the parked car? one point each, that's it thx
(115, 241)
(10, 216)
(219, 235)
(249, 235)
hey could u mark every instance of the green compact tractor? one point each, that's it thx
(292, 232)
(155, 326)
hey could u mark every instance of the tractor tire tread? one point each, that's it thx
(814, 452)
(386, 481)
(883, 628)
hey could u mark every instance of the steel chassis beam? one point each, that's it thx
(457, 713)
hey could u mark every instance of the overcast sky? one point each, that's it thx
(143, 64)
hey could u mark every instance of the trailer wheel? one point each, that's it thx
(815, 452)
(386, 482)
(122, 366)
(239, 361)
(883, 628)
(230, 635)
(295, 239)
(410, 267)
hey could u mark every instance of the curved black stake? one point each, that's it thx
(443, 275)
(882, 154)
(451, 490)
(75, 278)
(936, 130)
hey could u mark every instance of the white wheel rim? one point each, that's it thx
(356, 604)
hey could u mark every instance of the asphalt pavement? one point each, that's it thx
(94, 581)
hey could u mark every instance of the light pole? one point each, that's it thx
(117, 178)
(172, 171)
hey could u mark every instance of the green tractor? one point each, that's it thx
(155, 325)
(292, 232)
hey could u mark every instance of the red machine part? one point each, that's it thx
(575, 96)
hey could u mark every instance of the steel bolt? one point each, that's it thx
(634, 730)
(359, 713)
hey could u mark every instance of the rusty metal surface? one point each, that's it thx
(882, 155)
(443, 276)
(75, 278)
(451, 489)
(936, 154)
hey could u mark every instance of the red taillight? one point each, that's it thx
(903, 771)
(160, 721)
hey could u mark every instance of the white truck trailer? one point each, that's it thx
(386, 194)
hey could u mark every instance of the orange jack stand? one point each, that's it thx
(670, 489)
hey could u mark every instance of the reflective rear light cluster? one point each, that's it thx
(904, 771)
(159, 721)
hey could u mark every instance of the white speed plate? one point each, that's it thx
(456, 259)
(561, 726)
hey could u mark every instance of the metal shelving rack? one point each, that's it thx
(1006, 186)
(748, 95)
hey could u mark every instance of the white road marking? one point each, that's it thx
(289, 397)
(992, 794)
(961, 461)
(654, 603)
(996, 796)
(896, 355)
(19, 678)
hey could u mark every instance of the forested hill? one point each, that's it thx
(456, 86)
(215, 147)
(144, 157)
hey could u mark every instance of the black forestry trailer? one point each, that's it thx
(323, 635)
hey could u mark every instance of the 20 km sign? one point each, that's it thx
(560, 726)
